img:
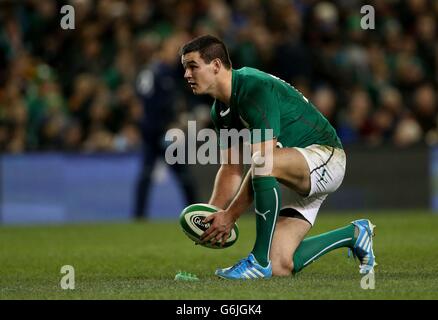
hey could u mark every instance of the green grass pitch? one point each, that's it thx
(140, 260)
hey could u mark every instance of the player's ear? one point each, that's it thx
(217, 64)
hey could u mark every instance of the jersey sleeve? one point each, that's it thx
(259, 110)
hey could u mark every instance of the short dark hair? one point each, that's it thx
(209, 48)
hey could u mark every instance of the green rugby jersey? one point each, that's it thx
(262, 101)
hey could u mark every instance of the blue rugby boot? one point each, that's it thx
(247, 268)
(363, 248)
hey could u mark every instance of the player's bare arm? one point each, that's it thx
(223, 221)
(262, 164)
(227, 183)
(228, 179)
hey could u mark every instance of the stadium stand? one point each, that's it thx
(74, 90)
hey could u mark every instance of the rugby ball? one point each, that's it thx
(191, 223)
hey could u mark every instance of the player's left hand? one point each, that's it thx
(221, 223)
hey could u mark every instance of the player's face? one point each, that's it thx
(198, 74)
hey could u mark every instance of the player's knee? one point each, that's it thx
(261, 165)
(282, 266)
(257, 160)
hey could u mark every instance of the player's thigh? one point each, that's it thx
(291, 169)
(289, 233)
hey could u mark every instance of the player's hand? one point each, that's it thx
(221, 223)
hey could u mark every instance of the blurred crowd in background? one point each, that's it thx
(92, 88)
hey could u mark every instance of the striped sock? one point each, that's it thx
(312, 248)
(267, 205)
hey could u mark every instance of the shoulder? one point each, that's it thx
(252, 82)
(251, 76)
(257, 88)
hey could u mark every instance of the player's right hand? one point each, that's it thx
(221, 223)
